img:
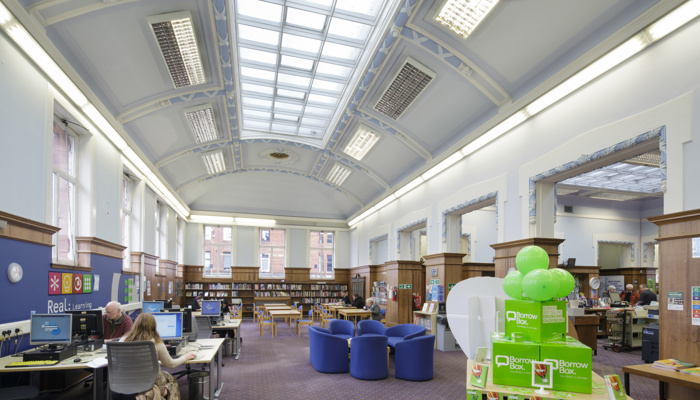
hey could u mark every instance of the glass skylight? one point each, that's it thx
(296, 58)
(463, 16)
(620, 176)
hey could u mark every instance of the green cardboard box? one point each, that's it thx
(512, 361)
(536, 321)
(571, 361)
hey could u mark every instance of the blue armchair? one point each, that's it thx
(368, 357)
(402, 332)
(342, 328)
(370, 326)
(414, 358)
(328, 353)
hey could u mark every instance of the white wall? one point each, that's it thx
(656, 88)
(481, 225)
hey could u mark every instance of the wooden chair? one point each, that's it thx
(318, 311)
(255, 313)
(309, 322)
(267, 320)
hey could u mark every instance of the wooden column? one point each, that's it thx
(474, 269)
(402, 273)
(678, 271)
(506, 252)
(445, 267)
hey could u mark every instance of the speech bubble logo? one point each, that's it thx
(511, 315)
(555, 363)
(499, 361)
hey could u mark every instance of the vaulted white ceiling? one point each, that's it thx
(522, 49)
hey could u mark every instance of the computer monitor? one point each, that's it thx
(87, 323)
(166, 303)
(168, 325)
(570, 263)
(186, 318)
(152, 306)
(615, 297)
(51, 329)
(211, 308)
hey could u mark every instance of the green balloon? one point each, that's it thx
(566, 281)
(513, 285)
(540, 285)
(530, 258)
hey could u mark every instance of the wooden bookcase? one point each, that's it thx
(428, 320)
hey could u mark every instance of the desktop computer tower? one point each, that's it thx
(58, 355)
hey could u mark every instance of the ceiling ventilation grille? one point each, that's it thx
(409, 82)
(178, 45)
(338, 173)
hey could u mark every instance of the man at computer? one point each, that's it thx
(346, 299)
(115, 323)
(647, 296)
(196, 303)
(630, 295)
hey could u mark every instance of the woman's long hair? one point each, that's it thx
(144, 329)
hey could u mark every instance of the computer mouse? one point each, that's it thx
(77, 360)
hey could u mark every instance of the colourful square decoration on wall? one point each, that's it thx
(54, 283)
(66, 283)
(87, 283)
(77, 283)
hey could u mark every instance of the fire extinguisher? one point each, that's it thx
(393, 293)
(416, 301)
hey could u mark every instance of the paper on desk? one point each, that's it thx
(98, 362)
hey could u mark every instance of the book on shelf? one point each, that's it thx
(672, 364)
(691, 371)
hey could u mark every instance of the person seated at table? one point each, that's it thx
(196, 303)
(606, 294)
(357, 301)
(145, 329)
(374, 307)
(226, 309)
(646, 296)
(115, 323)
(346, 298)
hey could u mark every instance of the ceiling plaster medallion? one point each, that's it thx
(279, 156)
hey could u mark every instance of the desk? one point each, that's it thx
(208, 352)
(335, 308)
(599, 390)
(234, 325)
(99, 391)
(587, 330)
(661, 375)
(287, 314)
(269, 307)
(354, 312)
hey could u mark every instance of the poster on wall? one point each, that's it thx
(616, 280)
(170, 287)
(696, 247)
(696, 305)
(96, 283)
(148, 288)
(675, 301)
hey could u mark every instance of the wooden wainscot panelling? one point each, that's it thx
(342, 276)
(87, 246)
(135, 262)
(400, 273)
(679, 271)
(506, 252)
(370, 273)
(167, 268)
(474, 269)
(26, 230)
(297, 275)
(445, 267)
(243, 274)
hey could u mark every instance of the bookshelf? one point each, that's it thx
(427, 320)
(256, 292)
(379, 292)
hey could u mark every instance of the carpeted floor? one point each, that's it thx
(278, 368)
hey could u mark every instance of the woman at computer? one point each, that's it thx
(145, 329)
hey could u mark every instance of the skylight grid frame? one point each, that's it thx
(373, 15)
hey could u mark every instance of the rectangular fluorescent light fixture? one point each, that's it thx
(178, 45)
(386, 201)
(211, 219)
(493, 133)
(338, 174)
(214, 161)
(674, 20)
(412, 78)
(443, 165)
(201, 120)
(463, 16)
(409, 186)
(255, 221)
(614, 196)
(362, 141)
(362, 216)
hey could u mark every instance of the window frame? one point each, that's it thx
(57, 175)
(265, 244)
(127, 207)
(320, 248)
(217, 251)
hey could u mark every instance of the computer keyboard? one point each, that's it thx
(35, 363)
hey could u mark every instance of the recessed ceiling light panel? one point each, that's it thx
(361, 142)
(463, 16)
(201, 120)
(338, 173)
(178, 44)
(214, 161)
